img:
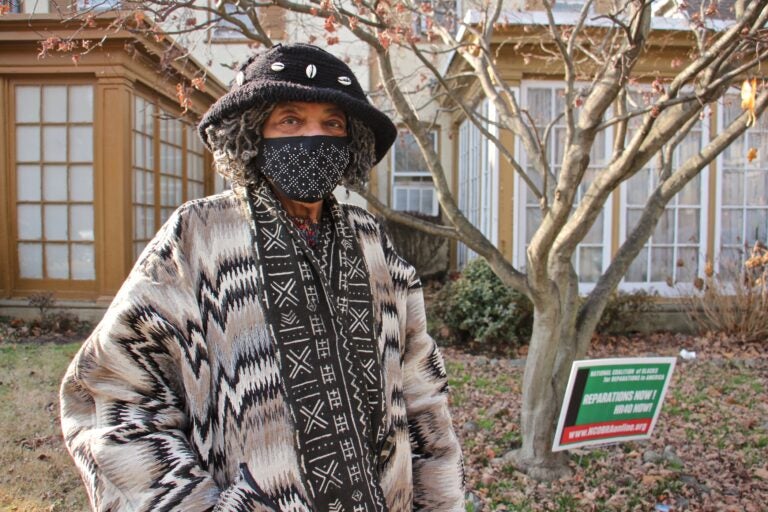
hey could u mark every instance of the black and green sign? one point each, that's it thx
(610, 400)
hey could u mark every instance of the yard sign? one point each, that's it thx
(612, 400)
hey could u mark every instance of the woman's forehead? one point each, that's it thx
(309, 107)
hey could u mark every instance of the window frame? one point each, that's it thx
(519, 242)
(426, 176)
(719, 183)
(162, 109)
(478, 192)
(662, 287)
(73, 286)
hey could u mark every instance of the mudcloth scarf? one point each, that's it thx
(320, 315)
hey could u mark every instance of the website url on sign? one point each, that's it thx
(605, 430)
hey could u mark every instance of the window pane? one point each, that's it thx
(139, 232)
(81, 144)
(81, 222)
(757, 223)
(687, 264)
(55, 183)
(413, 200)
(28, 183)
(55, 143)
(56, 261)
(731, 226)
(733, 190)
(29, 222)
(56, 222)
(688, 225)
(401, 199)
(138, 151)
(756, 186)
(426, 202)
(138, 187)
(83, 262)
(149, 148)
(31, 261)
(81, 104)
(27, 104)
(28, 143)
(81, 183)
(55, 104)
(661, 264)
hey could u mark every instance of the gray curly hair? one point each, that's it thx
(235, 144)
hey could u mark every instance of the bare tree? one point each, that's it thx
(597, 55)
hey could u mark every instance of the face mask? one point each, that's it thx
(304, 168)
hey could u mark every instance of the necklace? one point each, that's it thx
(309, 230)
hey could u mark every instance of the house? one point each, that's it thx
(110, 124)
(95, 154)
(712, 221)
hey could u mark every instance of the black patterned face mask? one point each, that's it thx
(304, 168)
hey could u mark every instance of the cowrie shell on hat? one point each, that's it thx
(278, 66)
(240, 78)
(311, 71)
(345, 80)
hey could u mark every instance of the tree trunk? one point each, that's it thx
(553, 347)
(541, 398)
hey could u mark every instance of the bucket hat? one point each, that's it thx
(300, 72)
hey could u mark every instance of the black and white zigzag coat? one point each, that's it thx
(179, 388)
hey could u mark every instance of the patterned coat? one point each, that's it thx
(175, 401)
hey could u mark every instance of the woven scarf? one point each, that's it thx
(320, 314)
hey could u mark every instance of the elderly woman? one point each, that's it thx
(268, 352)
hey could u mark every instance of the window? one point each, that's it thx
(168, 168)
(272, 19)
(412, 187)
(54, 182)
(12, 6)
(568, 5)
(445, 13)
(742, 190)
(228, 30)
(97, 5)
(478, 180)
(674, 252)
(143, 173)
(545, 102)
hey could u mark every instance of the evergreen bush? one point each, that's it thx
(478, 307)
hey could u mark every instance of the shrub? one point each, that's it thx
(622, 310)
(734, 303)
(479, 307)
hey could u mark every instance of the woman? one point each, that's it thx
(268, 351)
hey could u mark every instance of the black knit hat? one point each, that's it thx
(300, 72)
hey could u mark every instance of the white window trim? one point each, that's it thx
(519, 259)
(487, 207)
(394, 174)
(661, 287)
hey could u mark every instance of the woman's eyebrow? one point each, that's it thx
(335, 111)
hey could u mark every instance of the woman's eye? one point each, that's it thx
(334, 123)
(289, 120)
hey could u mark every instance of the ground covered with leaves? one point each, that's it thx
(708, 453)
